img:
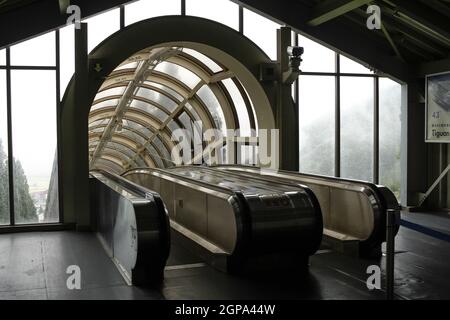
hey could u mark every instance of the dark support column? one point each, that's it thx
(58, 127)
(122, 17)
(75, 140)
(183, 7)
(297, 104)
(241, 19)
(10, 140)
(337, 119)
(376, 132)
(285, 114)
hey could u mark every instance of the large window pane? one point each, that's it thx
(261, 31)
(223, 11)
(350, 66)
(357, 128)
(390, 137)
(2, 57)
(102, 26)
(67, 56)
(145, 9)
(39, 51)
(316, 57)
(34, 142)
(4, 181)
(316, 119)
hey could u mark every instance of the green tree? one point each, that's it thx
(4, 195)
(25, 211)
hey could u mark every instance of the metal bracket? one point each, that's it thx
(435, 183)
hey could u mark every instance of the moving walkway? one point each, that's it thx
(236, 222)
(354, 212)
(132, 225)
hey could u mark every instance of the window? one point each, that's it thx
(350, 66)
(102, 26)
(2, 57)
(145, 9)
(34, 141)
(261, 31)
(357, 105)
(316, 57)
(39, 51)
(4, 184)
(67, 56)
(223, 11)
(390, 137)
(316, 110)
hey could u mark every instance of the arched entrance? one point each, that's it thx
(221, 44)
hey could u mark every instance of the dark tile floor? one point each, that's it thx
(33, 266)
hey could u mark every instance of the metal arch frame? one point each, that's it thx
(119, 140)
(138, 133)
(139, 120)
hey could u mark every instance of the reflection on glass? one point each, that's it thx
(350, 66)
(214, 108)
(223, 11)
(180, 73)
(214, 67)
(261, 31)
(357, 128)
(39, 51)
(67, 56)
(241, 107)
(34, 141)
(145, 9)
(102, 26)
(390, 136)
(316, 57)
(316, 120)
(4, 180)
(3, 57)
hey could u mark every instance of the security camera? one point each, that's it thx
(295, 51)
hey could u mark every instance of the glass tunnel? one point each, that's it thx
(154, 93)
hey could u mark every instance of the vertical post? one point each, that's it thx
(337, 119)
(10, 138)
(390, 253)
(297, 103)
(376, 131)
(285, 115)
(122, 16)
(58, 125)
(241, 20)
(183, 7)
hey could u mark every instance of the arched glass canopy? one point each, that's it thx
(155, 92)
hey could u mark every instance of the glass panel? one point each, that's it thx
(4, 176)
(390, 134)
(214, 67)
(104, 104)
(179, 73)
(3, 57)
(67, 56)
(241, 108)
(145, 9)
(132, 135)
(223, 11)
(316, 120)
(316, 57)
(157, 97)
(357, 128)
(102, 26)
(151, 109)
(261, 31)
(110, 92)
(350, 66)
(175, 94)
(34, 141)
(155, 156)
(39, 51)
(213, 105)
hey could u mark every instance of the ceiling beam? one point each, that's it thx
(328, 10)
